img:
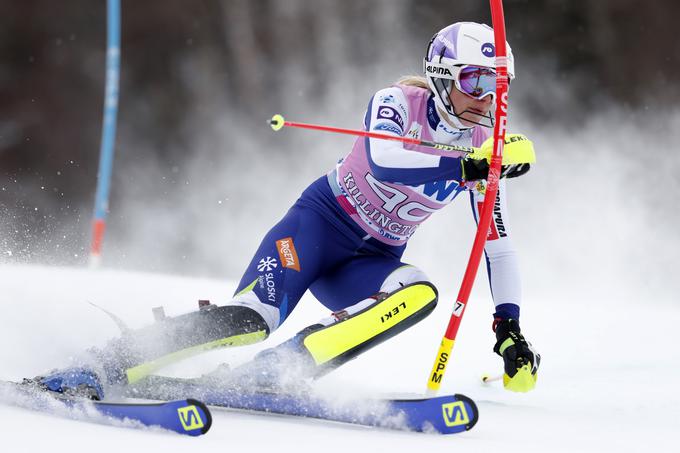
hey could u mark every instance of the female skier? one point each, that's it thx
(344, 237)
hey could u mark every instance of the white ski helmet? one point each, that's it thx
(454, 49)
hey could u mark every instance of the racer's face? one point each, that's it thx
(470, 110)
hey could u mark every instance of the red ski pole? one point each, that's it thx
(444, 353)
(277, 122)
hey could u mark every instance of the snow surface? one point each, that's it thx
(608, 381)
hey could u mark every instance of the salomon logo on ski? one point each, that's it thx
(190, 418)
(455, 414)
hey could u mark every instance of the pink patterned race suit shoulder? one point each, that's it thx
(390, 188)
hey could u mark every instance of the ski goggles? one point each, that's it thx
(475, 81)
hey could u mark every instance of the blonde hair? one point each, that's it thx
(414, 81)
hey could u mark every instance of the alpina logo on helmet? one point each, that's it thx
(438, 70)
(488, 50)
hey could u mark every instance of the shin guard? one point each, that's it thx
(334, 345)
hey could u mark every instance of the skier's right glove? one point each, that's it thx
(520, 359)
(475, 170)
(518, 154)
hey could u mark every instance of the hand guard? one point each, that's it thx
(518, 154)
(520, 358)
(474, 170)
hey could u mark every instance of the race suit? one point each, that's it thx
(344, 237)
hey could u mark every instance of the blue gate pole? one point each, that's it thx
(101, 204)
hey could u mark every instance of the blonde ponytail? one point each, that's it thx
(414, 81)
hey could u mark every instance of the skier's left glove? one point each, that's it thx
(520, 359)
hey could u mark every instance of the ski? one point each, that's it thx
(184, 416)
(444, 414)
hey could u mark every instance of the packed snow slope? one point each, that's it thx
(608, 380)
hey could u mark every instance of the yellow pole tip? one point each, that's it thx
(430, 393)
(277, 122)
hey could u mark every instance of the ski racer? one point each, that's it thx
(343, 240)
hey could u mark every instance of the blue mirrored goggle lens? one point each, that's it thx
(477, 82)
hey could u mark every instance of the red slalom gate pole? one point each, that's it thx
(446, 346)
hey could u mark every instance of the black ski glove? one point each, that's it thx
(476, 169)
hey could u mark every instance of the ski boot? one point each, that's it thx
(284, 368)
(70, 382)
(521, 361)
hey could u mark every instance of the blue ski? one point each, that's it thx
(448, 414)
(185, 416)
